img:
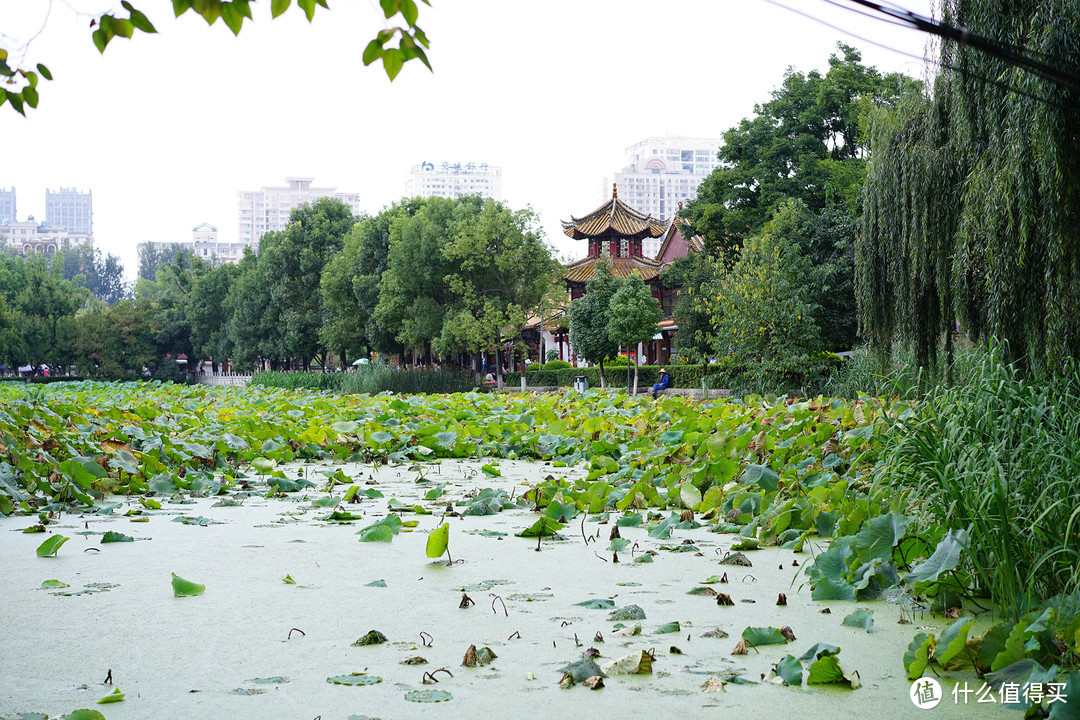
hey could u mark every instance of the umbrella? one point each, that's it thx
(361, 361)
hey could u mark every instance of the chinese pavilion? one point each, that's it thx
(614, 229)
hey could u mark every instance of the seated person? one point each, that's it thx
(659, 388)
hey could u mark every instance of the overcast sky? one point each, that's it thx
(167, 129)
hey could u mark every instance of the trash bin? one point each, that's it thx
(581, 383)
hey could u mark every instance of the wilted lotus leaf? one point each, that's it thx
(485, 655)
(636, 663)
(594, 683)
(582, 670)
(470, 657)
(427, 696)
(717, 633)
(354, 679)
(781, 600)
(627, 631)
(707, 591)
(736, 559)
(724, 599)
(788, 633)
(713, 685)
(740, 648)
(417, 660)
(373, 637)
(630, 612)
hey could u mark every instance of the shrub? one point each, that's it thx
(557, 365)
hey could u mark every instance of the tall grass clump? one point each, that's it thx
(865, 373)
(999, 457)
(374, 379)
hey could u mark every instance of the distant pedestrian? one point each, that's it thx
(659, 388)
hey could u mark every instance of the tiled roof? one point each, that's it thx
(694, 243)
(585, 270)
(616, 217)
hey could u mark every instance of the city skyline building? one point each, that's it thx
(71, 210)
(204, 244)
(453, 180)
(660, 173)
(30, 236)
(7, 205)
(268, 209)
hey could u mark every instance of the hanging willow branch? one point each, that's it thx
(972, 201)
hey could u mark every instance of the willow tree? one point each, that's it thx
(972, 205)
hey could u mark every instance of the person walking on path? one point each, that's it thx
(659, 388)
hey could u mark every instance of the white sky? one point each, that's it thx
(166, 129)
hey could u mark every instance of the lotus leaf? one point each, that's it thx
(185, 588)
(354, 679)
(51, 545)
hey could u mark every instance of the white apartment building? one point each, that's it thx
(268, 209)
(454, 179)
(661, 173)
(7, 205)
(71, 210)
(31, 237)
(204, 244)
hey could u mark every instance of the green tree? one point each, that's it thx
(807, 142)
(207, 313)
(691, 273)
(116, 341)
(763, 314)
(414, 293)
(973, 197)
(21, 84)
(351, 284)
(102, 276)
(503, 269)
(634, 313)
(43, 310)
(589, 317)
(168, 296)
(293, 260)
(253, 328)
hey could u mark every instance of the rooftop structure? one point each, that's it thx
(453, 180)
(31, 237)
(268, 209)
(617, 231)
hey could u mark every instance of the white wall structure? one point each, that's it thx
(71, 210)
(267, 210)
(660, 173)
(30, 237)
(454, 179)
(204, 244)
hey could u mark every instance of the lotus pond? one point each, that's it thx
(291, 554)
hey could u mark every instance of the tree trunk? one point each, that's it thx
(603, 381)
(498, 369)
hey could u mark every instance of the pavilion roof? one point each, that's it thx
(584, 270)
(614, 217)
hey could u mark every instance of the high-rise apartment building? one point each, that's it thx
(661, 173)
(268, 209)
(454, 179)
(70, 210)
(7, 205)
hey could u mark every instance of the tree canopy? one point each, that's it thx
(806, 143)
(21, 91)
(973, 197)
